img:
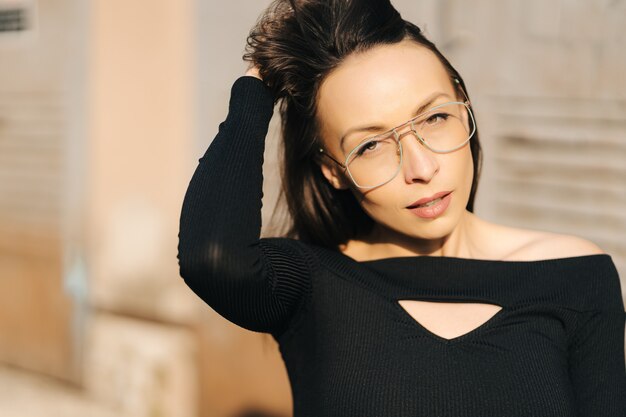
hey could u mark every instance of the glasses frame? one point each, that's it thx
(397, 138)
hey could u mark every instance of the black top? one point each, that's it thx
(556, 348)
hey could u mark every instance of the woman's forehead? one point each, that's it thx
(383, 69)
(380, 86)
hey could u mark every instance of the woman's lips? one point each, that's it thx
(427, 199)
(432, 211)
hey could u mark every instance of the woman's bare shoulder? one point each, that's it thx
(556, 245)
(530, 244)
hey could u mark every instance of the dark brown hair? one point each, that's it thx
(296, 44)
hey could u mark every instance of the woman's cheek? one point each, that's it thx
(383, 204)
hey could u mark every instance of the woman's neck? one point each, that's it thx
(469, 239)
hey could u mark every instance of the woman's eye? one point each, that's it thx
(371, 145)
(368, 146)
(433, 119)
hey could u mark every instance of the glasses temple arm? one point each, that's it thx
(458, 82)
(328, 155)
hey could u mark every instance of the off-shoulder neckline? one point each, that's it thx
(430, 258)
(508, 281)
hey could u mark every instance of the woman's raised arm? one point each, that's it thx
(255, 283)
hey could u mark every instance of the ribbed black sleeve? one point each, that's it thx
(255, 283)
(596, 353)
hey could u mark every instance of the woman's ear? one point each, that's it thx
(336, 176)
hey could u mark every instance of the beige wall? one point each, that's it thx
(140, 130)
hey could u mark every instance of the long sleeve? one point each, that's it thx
(255, 283)
(596, 353)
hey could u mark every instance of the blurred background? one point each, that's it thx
(105, 108)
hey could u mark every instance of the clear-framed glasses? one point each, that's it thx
(377, 160)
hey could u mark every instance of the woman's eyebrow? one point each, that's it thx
(429, 100)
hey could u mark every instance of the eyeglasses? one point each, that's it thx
(377, 160)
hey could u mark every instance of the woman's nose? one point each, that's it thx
(418, 162)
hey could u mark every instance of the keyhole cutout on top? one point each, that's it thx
(449, 320)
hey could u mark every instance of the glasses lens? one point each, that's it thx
(374, 160)
(377, 160)
(444, 128)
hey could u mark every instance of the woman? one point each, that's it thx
(388, 296)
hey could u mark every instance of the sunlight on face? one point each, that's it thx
(383, 87)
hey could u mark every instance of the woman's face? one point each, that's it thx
(383, 86)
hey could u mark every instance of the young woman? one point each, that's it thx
(388, 296)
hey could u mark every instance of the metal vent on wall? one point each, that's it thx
(16, 17)
(12, 20)
(31, 162)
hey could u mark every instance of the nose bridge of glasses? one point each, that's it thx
(412, 129)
